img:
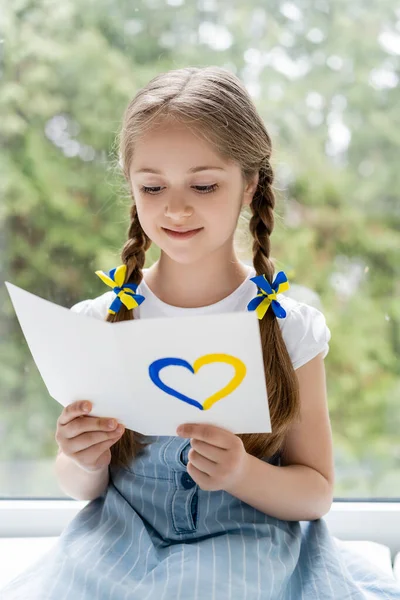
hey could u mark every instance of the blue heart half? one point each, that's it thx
(154, 370)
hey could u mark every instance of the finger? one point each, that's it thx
(202, 463)
(83, 424)
(72, 411)
(91, 457)
(202, 479)
(91, 440)
(207, 433)
(213, 453)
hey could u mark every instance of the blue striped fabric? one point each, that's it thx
(155, 535)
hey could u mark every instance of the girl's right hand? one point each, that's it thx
(87, 440)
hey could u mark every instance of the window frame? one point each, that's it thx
(376, 521)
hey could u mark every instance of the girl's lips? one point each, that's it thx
(182, 235)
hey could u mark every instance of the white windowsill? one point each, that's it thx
(373, 521)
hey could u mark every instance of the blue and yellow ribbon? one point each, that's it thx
(267, 295)
(125, 292)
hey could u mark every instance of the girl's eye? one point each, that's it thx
(203, 189)
(206, 189)
(149, 190)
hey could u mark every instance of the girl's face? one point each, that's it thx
(184, 195)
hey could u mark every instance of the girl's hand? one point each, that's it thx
(87, 440)
(217, 459)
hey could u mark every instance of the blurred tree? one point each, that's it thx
(324, 76)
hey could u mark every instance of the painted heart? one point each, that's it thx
(207, 359)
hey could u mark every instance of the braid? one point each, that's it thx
(262, 222)
(283, 406)
(134, 251)
(133, 255)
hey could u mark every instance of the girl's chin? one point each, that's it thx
(183, 256)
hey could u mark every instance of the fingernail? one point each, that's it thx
(111, 424)
(85, 407)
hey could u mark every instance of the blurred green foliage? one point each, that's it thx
(324, 76)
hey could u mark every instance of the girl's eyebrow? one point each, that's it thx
(192, 170)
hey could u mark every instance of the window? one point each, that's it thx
(330, 106)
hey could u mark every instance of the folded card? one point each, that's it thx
(150, 374)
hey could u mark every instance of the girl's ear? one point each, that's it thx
(250, 189)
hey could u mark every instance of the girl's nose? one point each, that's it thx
(177, 208)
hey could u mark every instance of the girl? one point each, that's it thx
(205, 514)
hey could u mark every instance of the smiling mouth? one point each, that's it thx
(181, 234)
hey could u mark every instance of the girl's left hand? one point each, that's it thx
(217, 459)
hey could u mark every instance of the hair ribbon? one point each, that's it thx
(125, 292)
(267, 295)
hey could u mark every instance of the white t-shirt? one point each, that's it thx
(304, 328)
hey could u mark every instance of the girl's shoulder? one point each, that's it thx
(304, 330)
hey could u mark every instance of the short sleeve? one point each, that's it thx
(305, 333)
(94, 307)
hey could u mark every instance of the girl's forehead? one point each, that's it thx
(174, 134)
(177, 150)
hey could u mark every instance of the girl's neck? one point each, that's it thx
(196, 284)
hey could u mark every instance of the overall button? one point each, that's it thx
(187, 481)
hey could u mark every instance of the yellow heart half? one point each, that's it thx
(240, 372)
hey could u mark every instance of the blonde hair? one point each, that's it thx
(216, 103)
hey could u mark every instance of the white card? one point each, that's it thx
(133, 371)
